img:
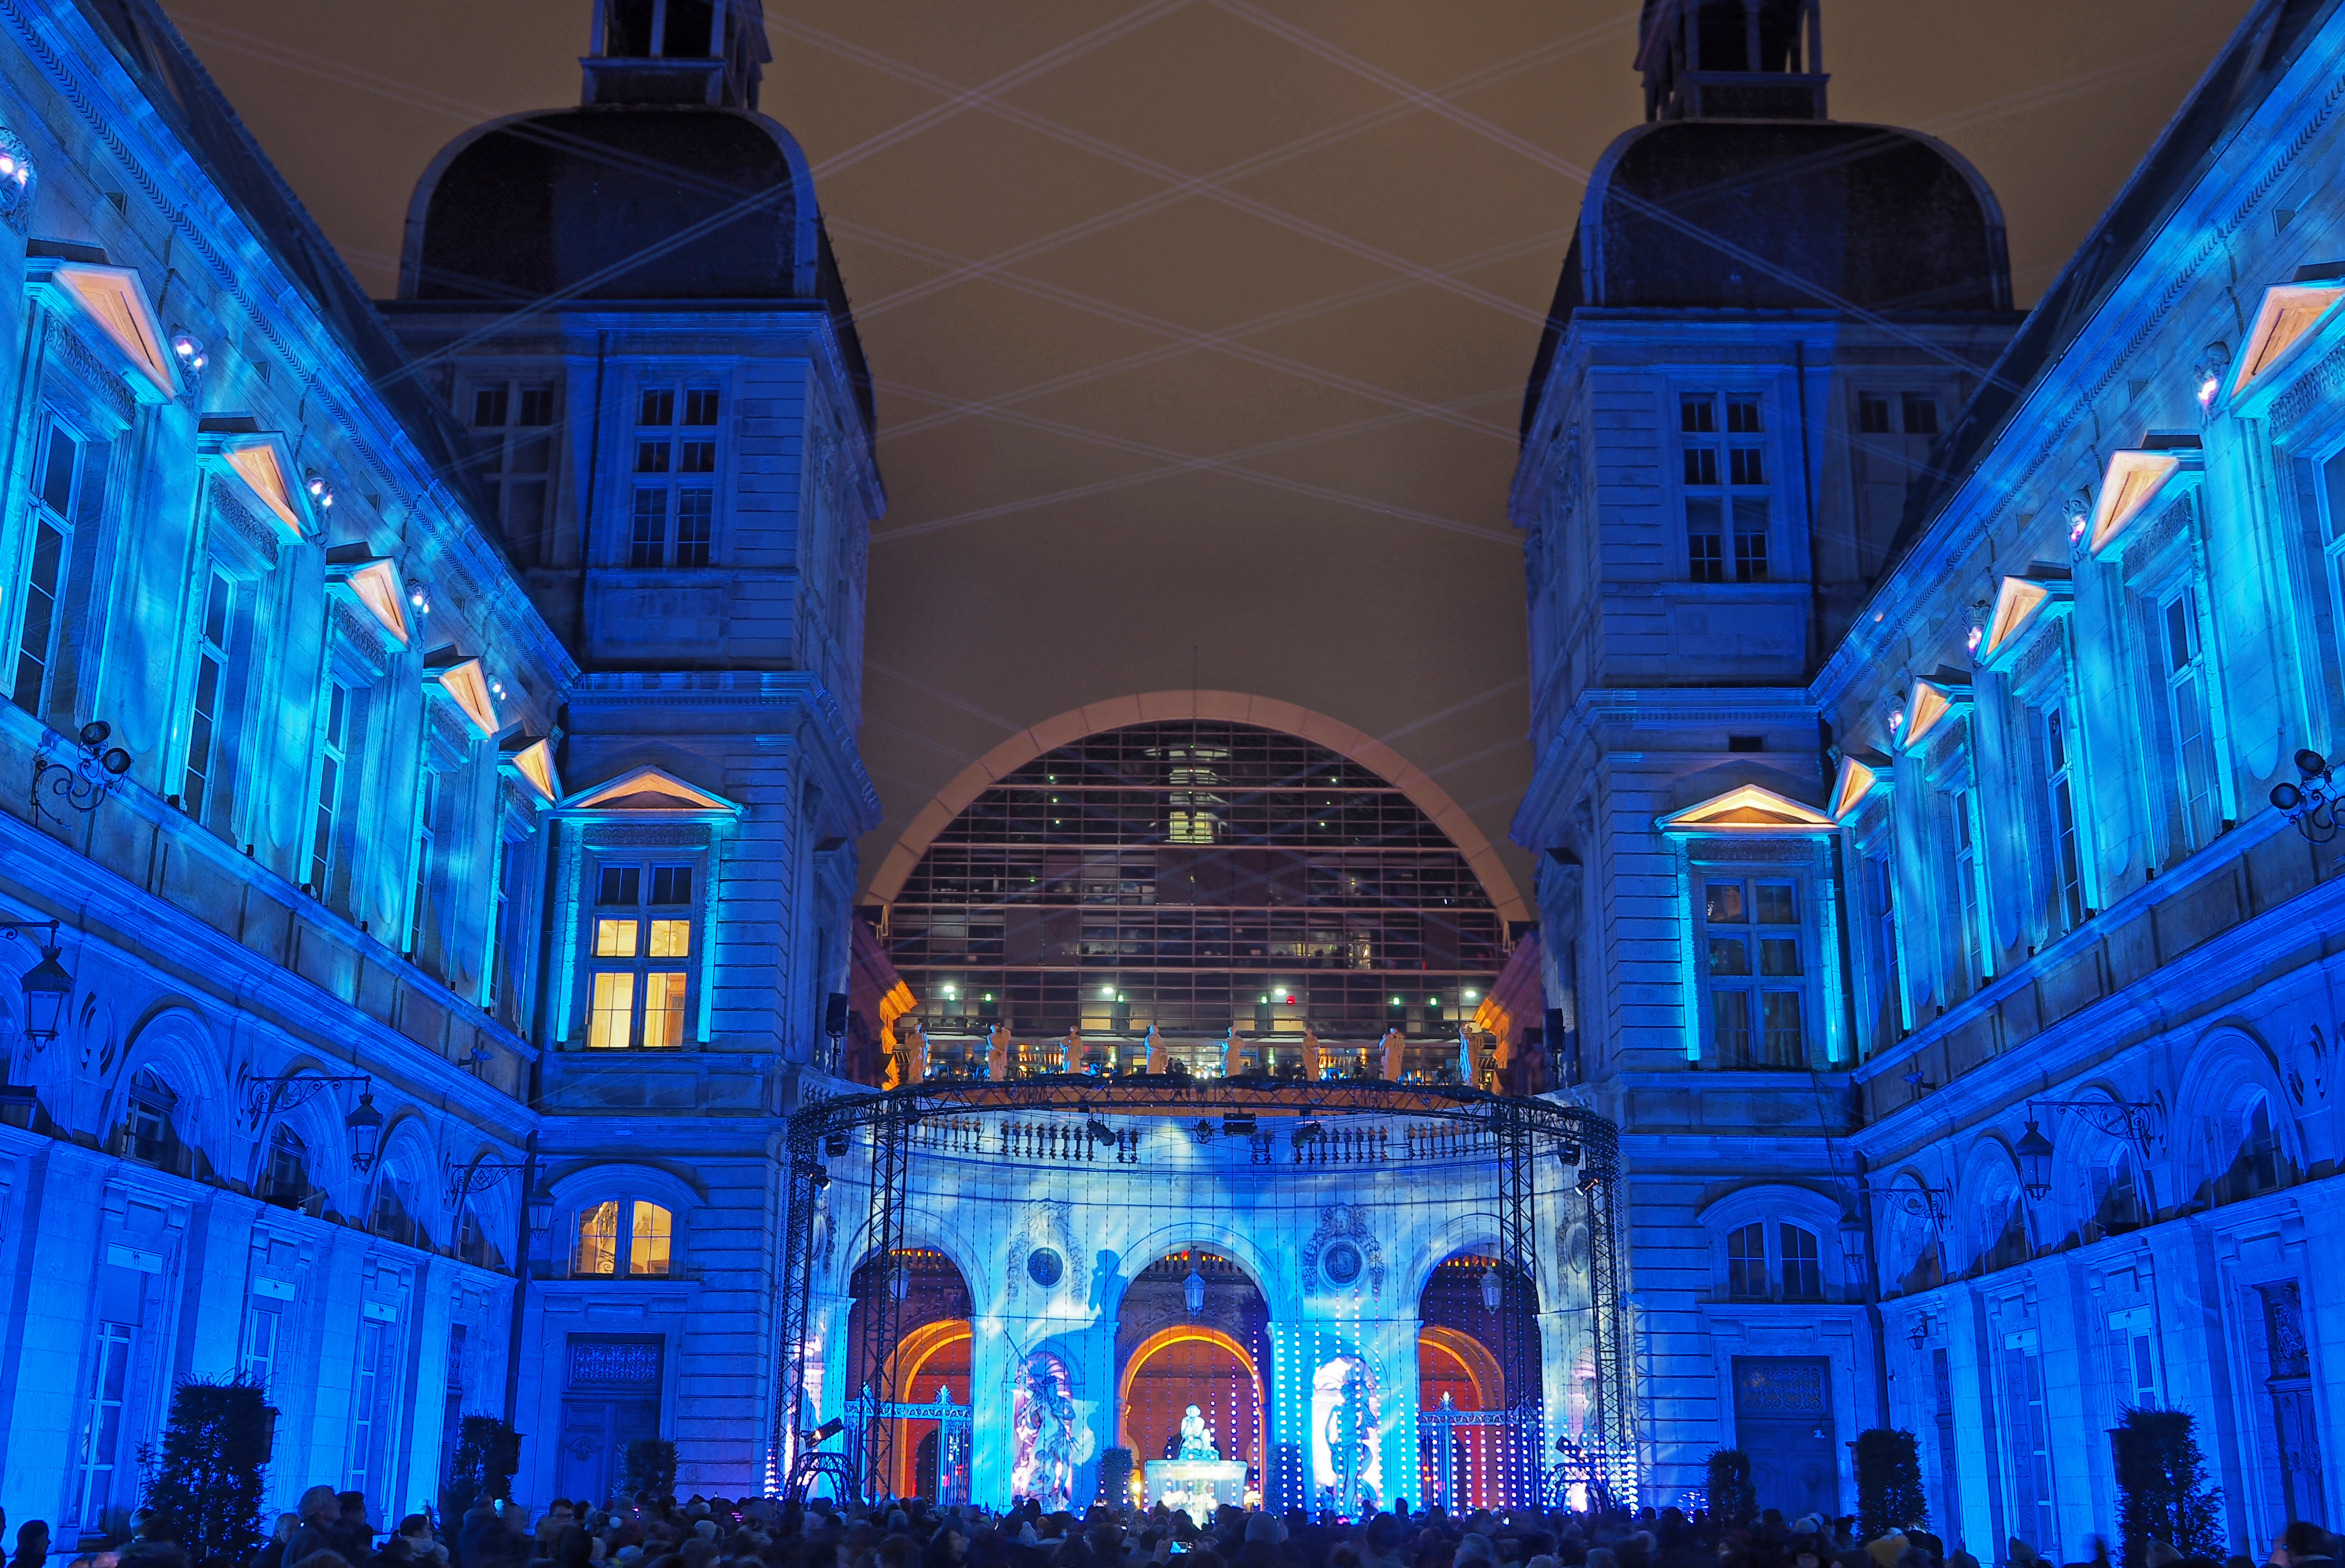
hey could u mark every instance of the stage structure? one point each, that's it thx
(1258, 1248)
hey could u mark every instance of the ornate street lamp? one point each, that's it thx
(265, 1097)
(2035, 1162)
(47, 986)
(364, 1125)
(1492, 1292)
(2310, 804)
(1193, 1291)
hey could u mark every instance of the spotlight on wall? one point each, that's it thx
(1567, 1152)
(1308, 1132)
(319, 490)
(1099, 1131)
(190, 350)
(835, 1145)
(2312, 804)
(820, 1176)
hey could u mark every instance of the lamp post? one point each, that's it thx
(2128, 1119)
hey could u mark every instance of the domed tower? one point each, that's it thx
(1766, 320)
(633, 308)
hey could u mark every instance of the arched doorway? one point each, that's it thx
(928, 1456)
(1169, 1357)
(1477, 1351)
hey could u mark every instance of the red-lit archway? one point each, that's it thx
(1171, 1355)
(931, 1350)
(1459, 1465)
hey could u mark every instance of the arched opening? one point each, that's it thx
(1477, 1339)
(1171, 1356)
(1193, 875)
(930, 1351)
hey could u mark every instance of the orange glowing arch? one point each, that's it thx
(904, 1365)
(1473, 1357)
(1165, 1339)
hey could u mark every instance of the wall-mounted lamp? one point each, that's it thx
(320, 493)
(1924, 1202)
(541, 1212)
(2310, 804)
(189, 350)
(2127, 1119)
(81, 780)
(1917, 1330)
(265, 1097)
(47, 986)
(2207, 373)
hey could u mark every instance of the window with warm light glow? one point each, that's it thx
(635, 1232)
(1755, 971)
(642, 944)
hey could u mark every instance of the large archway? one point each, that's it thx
(1478, 1352)
(1195, 874)
(1170, 1357)
(926, 1457)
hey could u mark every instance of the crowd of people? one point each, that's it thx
(332, 1530)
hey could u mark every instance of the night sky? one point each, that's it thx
(1200, 327)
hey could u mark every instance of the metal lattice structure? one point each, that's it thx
(1510, 1129)
(1522, 1131)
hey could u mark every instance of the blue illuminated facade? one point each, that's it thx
(483, 670)
(1911, 681)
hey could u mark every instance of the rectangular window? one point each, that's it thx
(512, 441)
(2186, 707)
(1873, 414)
(1757, 973)
(500, 998)
(101, 1437)
(1970, 931)
(1724, 487)
(334, 760)
(261, 1325)
(2060, 812)
(640, 981)
(57, 488)
(204, 714)
(2027, 1442)
(1921, 414)
(686, 450)
(419, 901)
(1881, 895)
(367, 1405)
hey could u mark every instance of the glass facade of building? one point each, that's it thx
(1195, 875)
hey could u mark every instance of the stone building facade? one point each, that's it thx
(1912, 685)
(456, 887)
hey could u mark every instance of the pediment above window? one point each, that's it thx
(2139, 484)
(369, 582)
(110, 303)
(1748, 809)
(463, 684)
(650, 790)
(2293, 321)
(530, 758)
(1933, 700)
(2021, 605)
(259, 464)
(1860, 773)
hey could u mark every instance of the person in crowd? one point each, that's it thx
(32, 1544)
(321, 1529)
(422, 1546)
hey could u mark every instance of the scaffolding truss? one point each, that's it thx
(1519, 1131)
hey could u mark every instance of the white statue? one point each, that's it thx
(1196, 1437)
(1155, 1051)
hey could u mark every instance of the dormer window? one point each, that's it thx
(655, 29)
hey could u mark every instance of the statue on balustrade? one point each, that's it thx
(1395, 1048)
(996, 1051)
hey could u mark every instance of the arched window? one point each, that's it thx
(2115, 1196)
(390, 1219)
(150, 1135)
(2002, 1224)
(1792, 1271)
(635, 1230)
(285, 1179)
(2254, 1164)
